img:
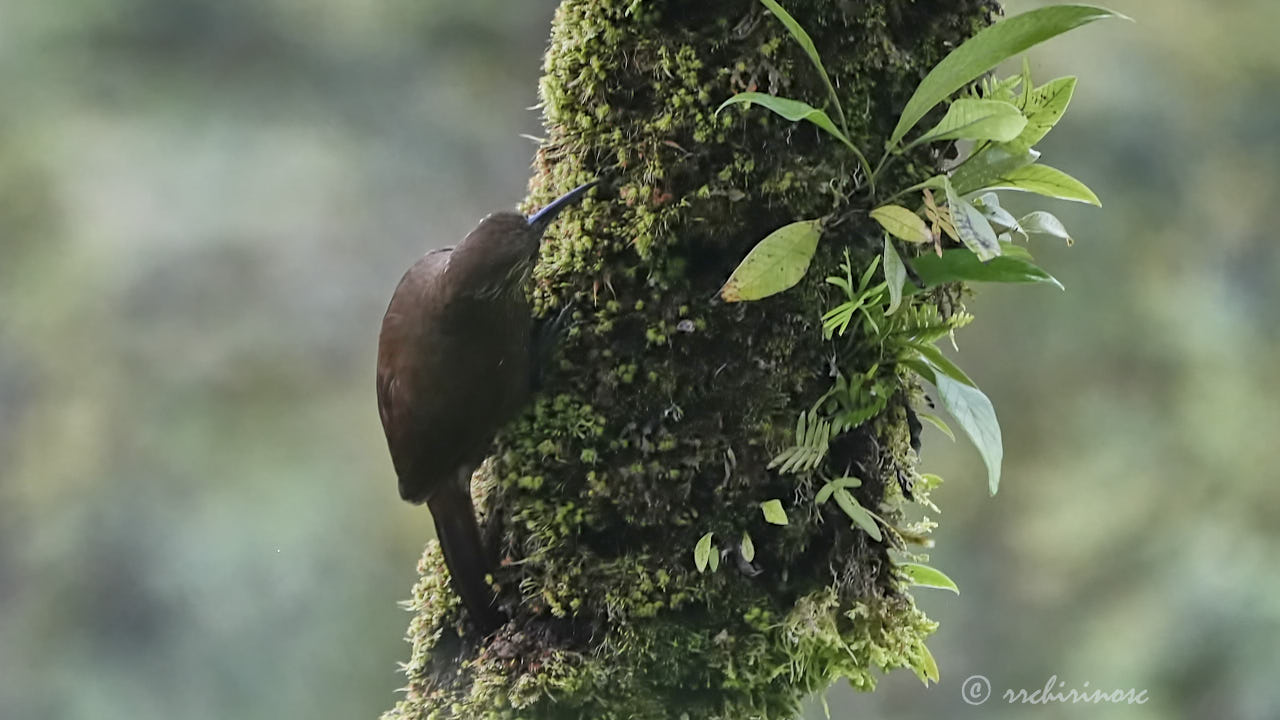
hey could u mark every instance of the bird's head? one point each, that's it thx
(499, 254)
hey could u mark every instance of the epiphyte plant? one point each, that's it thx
(1004, 120)
(951, 229)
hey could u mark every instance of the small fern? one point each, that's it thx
(812, 440)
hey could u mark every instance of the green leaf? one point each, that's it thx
(959, 264)
(773, 512)
(1045, 107)
(942, 363)
(972, 226)
(858, 514)
(895, 273)
(937, 422)
(867, 274)
(702, 552)
(777, 263)
(987, 166)
(1042, 223)
(921, 368)
(973, 411)
(925, 576)
(845, 482)
(971, 119)
(1001, 89)
(937, 182)
(804, 41)
(748, 548)
(930, 480)
(902, 223)
(714, 560)
(986, 50)
(928, 669)
(1047, 181)
(1025, 80)
(792, 110)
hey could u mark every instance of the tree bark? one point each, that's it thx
(663, 407)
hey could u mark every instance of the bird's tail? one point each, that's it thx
(465, 554)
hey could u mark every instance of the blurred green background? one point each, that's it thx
(204, 205)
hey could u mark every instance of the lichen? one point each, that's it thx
(663, 407)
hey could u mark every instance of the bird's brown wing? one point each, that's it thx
(399, 340)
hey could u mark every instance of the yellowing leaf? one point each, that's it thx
(902, 223)
(773, 512)
(775, 264)
(702, 552)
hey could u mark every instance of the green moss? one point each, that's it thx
(664, 408)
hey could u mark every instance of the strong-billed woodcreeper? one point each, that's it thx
(456, 361)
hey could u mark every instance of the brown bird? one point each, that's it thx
(455, 363)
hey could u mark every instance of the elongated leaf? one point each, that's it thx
(1046, 106)
(928, 669)
(960, 264)
(970, 119)
(1047, 181)
(902, 223)
(937, 422)
(975, 415)
(937, 182)
(748, 548)
(972, 226)
(988, 166)
(895, 273)
(792, 110)
(858, 514)
(773, 512)
(987, 49)
(1042, 223)
(804, 41)
(845, 482)
(702, 552)
(925, 576)
(1025, 79)
(941, 362)
(777, 263)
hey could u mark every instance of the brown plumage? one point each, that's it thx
(454, 366)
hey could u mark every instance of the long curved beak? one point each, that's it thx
(541, 219)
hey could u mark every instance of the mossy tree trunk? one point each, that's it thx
(664, 407)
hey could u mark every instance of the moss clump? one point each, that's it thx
(664, 408)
